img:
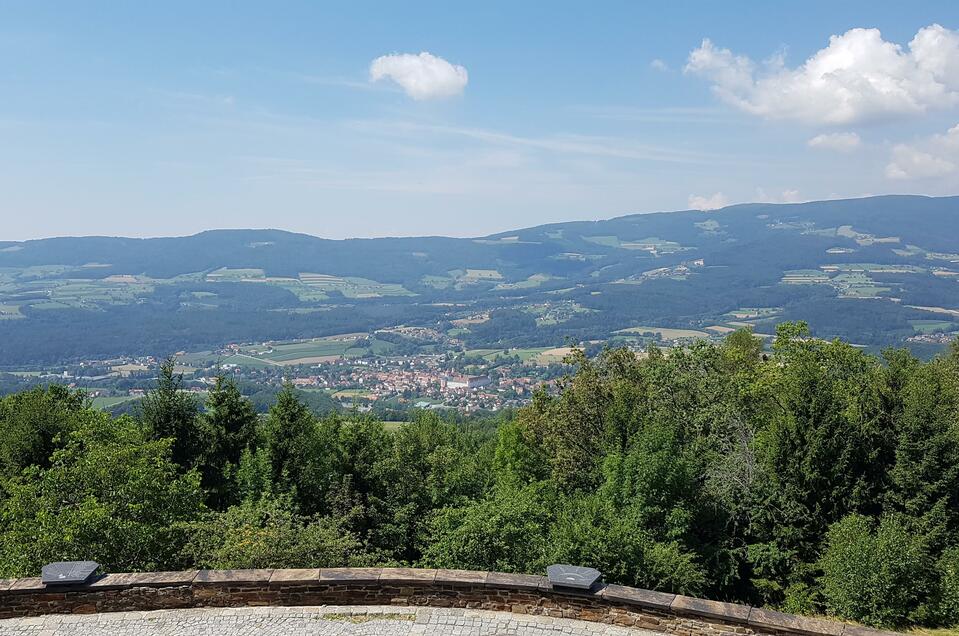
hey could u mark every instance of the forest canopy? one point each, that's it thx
(815, 479)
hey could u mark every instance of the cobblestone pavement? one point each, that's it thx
(302, 621)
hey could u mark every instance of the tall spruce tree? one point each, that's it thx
(169, 412)
(231, 422)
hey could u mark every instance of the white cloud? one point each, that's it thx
(659, 65)
(840, 142)
(857, 77)
(787, 196)
(934, 157)
(714, 202)
(423, 76)
(790, 196)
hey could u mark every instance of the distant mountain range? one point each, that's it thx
(877, 271)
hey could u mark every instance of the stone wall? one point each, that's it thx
(518, 593)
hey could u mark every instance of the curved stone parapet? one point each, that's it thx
(517, 593)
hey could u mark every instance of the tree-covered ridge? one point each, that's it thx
(816, 479)
(875, 271)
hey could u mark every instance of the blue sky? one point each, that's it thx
(147, 119)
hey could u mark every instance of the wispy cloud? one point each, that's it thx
(665, 115)
(192, 99)
(306, 172)
(574, 144)
(840, 142)
(452, 173)
(343, 82)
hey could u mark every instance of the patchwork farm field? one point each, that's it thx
(10, 312)
(933, 326)
(937, 310)
(293, 353)
(857, 285)
(353, 287)
(850, 280)
(666, 333)
(654, 245)
(554, 313)
(61, 293)
(804, 277)
(461, 279)
(875, 268)
(542, 356)
(753, 313)
(57, 287)
(482, 274)
(720, 329)
(533, 281)
(110, 401)
(310, 287)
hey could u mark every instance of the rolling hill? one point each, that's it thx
(877, 271)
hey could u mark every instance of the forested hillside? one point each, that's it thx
(816, 478)
(878, 271)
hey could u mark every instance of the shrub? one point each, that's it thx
(874, 575)
(267, 533)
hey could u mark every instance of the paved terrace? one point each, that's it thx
(313, 621)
